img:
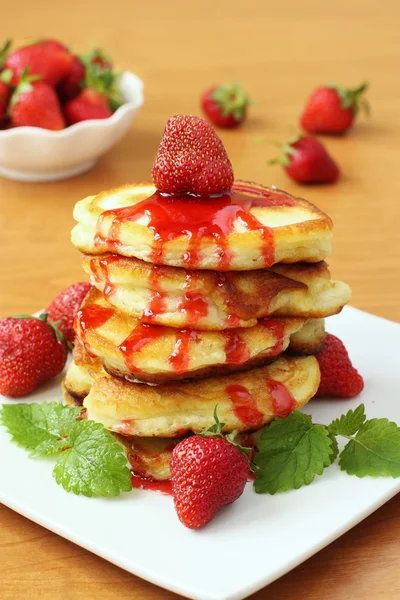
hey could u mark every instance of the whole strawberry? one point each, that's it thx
(32, 351)
(338, 376)
(97, 100)
(191, 159)
(34, 103)
(65, 306)
(70, 86)
(47, 58)
(226, 105)
(306, 160)
(207, 473)
(332, 108)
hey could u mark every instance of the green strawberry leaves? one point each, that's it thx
(89, 459)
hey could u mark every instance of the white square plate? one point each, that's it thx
(248, 544)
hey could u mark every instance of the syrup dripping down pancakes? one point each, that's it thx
(198, 302)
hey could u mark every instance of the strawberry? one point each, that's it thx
(5, 95)
(225, 105)
(207, 473)
(338, 376)
(70, 86)
(191, 159)
(48, 58)
(34, 103)
(332, 109)
(32, 350)
(306, 160)
(97, 100)
(65, 306)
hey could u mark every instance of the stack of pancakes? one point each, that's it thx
(198, 303)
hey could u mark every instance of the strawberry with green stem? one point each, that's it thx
(332, 109)
(47, 58)
(34, 103)
(32, 351)
(208, 472)
(98, 99)
(306, 160)
(225, 105)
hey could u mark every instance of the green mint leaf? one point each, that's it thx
(39, 428)
(291, 452)
(374, 451)
(335, 447)
(94, 464)
(349, 423)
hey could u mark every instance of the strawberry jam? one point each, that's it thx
(283, 402)
(93, 316)
(236, 351)
(171, 217)
(153, 485)
(244, 406)
(278, 330)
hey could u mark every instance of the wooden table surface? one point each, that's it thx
(280, 51)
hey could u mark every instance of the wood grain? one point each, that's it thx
(279, 51)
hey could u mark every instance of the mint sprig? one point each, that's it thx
(41, 429)
(292, 451)
(94, 464)
(90, 461)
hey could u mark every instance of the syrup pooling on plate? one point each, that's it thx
(171, 217)
(165, 487)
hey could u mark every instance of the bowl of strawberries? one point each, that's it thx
(59, 112)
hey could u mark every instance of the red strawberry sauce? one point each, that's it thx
(165, 487)
(93, 316)
(244, 406)
(170, 217)
(283, 402)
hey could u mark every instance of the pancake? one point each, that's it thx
(157, 354)
(253, 227)
(150, 458)
(208, 300)
(246, 401)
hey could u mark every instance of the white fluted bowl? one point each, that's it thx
(35, 154)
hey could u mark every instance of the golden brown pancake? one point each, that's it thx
(246, 401)
(253, 227)
(157, 354)
(207, 300)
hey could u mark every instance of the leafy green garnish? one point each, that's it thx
(90, 460)
(292, 451)
(94, 464)
(374, 451)
(349, 423)
(40, 428)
